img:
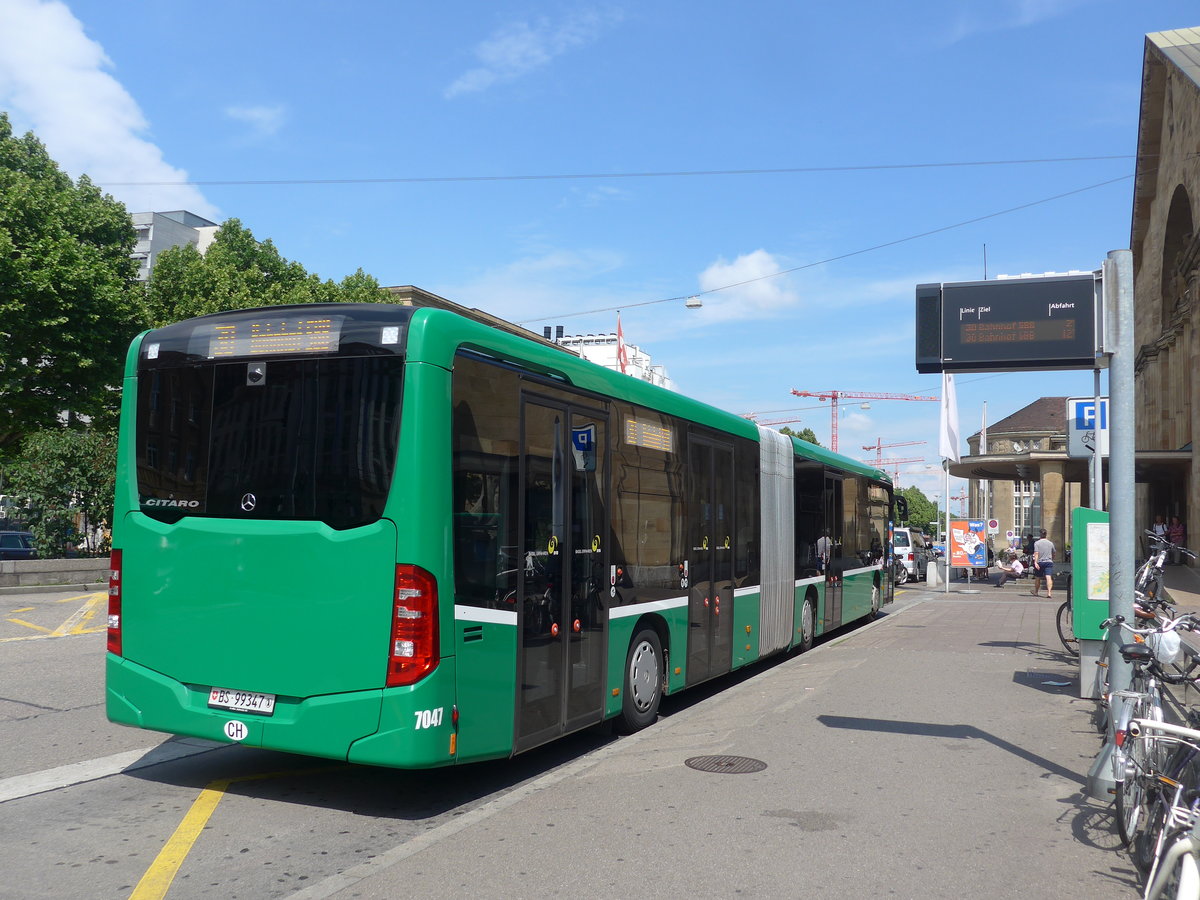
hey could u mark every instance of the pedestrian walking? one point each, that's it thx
(1043, 564)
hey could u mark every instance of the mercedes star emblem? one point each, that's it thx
(249, 501)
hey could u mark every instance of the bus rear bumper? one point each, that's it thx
(324, 726)
(409, 727)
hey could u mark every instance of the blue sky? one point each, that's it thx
(426, 113)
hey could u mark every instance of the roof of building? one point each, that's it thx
(1044, 414)
(1182, 47)
(1179, 49)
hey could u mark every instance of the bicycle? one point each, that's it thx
(1149, 578)
(1134, 762)
(1065, 620)
(1172, 862)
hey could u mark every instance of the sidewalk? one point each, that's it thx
(939, 752)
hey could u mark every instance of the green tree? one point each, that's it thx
(67, 473)
(805, 434)
(237, 272)
(922, 512)
(69, 302)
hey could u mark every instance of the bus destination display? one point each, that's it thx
(644, 433)
(277, 335)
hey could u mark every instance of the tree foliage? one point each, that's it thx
(805, 434)
(69, 302)
(238, 272)
(65, 473)
(922, 512)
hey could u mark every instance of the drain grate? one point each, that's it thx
(725, 765)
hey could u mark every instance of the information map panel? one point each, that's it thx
(1010, 324)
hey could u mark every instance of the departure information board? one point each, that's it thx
(1047, 322)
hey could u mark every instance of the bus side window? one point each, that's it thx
(485, 464)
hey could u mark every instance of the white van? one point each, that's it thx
(912, 554)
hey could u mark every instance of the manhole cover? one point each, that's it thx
(725, 765)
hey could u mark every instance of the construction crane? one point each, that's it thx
(879, 445)
(894, 463)
(835, 396)
(752, 418)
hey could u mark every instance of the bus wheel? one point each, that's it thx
(643, 681)
(808, 624)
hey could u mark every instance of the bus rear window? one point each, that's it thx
(312, 439)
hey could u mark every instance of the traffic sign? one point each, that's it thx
(1087, 426)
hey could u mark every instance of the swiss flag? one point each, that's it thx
(622, 353)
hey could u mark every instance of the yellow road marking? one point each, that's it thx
(77, 623)
(80, 616)
(79, 597)
(162, 871)
(30, 625)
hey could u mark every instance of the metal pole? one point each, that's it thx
(1122, 536)
(946, 466)
(1097, 470)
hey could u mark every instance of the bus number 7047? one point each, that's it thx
(428, 718)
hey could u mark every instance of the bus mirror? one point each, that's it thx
(901, 508)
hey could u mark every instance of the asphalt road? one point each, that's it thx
(902, 759)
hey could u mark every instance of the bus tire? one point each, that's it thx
(808, 623)
(643, 681)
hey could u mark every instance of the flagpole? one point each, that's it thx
(948, 447)
(946, 466)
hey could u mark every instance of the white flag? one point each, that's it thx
(948, 446)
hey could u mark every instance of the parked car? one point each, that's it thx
(913, 554)
(17, 545)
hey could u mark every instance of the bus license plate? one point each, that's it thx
(242, 701)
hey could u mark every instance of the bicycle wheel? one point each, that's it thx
(1137, 763)
(1066, 628)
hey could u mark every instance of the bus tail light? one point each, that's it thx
(114, 603)
(413, 652)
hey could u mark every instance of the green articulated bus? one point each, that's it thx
(403, 537)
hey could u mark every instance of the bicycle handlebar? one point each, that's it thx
(1186, 622)
(1159, 539)
(1137, 726)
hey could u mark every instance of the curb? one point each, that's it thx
(53, 588)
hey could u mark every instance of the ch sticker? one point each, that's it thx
(552, 546)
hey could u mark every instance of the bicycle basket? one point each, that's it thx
(1167, 647)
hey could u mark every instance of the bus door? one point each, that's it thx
(561, 570)
(831, 617)
(710, 559)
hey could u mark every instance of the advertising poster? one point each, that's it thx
(968, 543)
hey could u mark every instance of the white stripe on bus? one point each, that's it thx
(490, 616)
(636, 609)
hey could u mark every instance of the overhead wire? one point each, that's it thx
(445, 179)
(840, 256)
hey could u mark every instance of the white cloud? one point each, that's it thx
(744, 288)
(54, 80)
(1000, 15)
(264, 121)
(521, 47)
(540, 286)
